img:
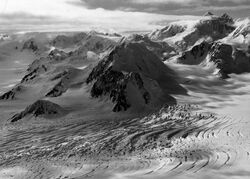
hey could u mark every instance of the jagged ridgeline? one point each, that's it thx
(131, 75)
(185, 34)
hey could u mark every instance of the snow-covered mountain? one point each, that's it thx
(133, 76)
(184, 34)
(168, 31)
(240, 37)
(227, 52)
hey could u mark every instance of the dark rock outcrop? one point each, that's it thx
(40, 108)
(114, 84)
(221, 55)
(8, 95)
(195, 55)
(34, 73)
(30, 45)
(229, 59)
(11, 95)
(57, 90)
(226, 18)
(65, 79)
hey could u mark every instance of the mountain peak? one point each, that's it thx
(208, 14)
(40, 108)
(227, 18)
(225, 15)
(128, 72)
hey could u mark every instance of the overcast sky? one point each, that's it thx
(113, 15)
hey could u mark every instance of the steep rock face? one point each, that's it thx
(40, 108)
(221, 55)
(229, 60)
(129, 71)
(115, 83)
(195, 55)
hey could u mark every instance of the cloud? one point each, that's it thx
(119, 15)
(16, 22)
(190, 7)
(73, 15)
(23, 18)
(185, 1)
(161, 1)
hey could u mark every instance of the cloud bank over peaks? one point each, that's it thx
(119, 15)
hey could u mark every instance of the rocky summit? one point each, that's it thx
(127, 72)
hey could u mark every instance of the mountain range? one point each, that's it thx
(126, 73)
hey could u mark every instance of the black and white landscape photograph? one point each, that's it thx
(124, 89)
